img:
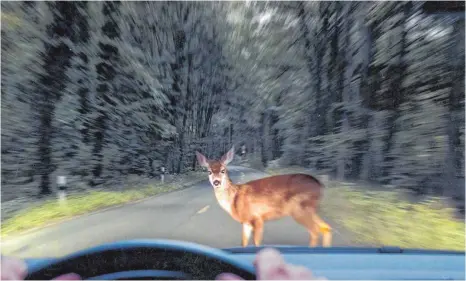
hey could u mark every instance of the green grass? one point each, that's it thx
(51, 211)
(387, 218)
(384, 218)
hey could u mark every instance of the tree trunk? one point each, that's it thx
(455, 109)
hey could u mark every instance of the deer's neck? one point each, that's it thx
(225, 195)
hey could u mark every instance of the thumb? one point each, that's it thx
(228, 276)
(12, 268)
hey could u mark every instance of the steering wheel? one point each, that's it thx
(144, 259)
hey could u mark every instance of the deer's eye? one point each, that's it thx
(210, 173)
(222, 171)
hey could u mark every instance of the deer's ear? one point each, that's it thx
(228, 157)
(201, 159)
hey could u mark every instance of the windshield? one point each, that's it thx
(105, 104)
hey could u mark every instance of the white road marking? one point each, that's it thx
(203, 210)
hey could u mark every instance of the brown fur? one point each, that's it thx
(271, 198)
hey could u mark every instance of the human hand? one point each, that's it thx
(16, 269)
(270, 265)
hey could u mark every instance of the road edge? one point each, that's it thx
(6, 240)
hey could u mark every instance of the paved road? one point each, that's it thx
(191, 214)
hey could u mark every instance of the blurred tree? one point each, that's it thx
(358, 90)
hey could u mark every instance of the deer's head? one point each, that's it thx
(217, 168)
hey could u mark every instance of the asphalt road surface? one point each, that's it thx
(191, 214)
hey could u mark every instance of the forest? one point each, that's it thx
(361, 91)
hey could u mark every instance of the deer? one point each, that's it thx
(255, 202)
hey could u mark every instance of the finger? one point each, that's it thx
(13, 268)
(15, 265)
(8, 275)
(298, 272)
(270, 265)
(68, 276)
(268, 254)
(228, 276)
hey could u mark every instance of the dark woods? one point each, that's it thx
(371, 91)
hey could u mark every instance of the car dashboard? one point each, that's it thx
(386, 263)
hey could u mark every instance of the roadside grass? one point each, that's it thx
(377, 217)
(51, 211)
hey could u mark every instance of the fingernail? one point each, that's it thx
(228, 276)
(269, 254)
(69, 276)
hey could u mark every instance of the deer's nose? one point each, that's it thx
(216, 182)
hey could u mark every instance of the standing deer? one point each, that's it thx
(271, 198)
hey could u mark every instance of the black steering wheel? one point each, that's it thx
(144, 259)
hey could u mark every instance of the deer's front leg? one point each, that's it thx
(258, 232)
(247, 230)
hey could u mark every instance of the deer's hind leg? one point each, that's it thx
(306, 220)
(308, 217)
(325, 229)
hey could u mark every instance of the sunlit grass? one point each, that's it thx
(52, 211)
(383, 218)
(387, 218)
